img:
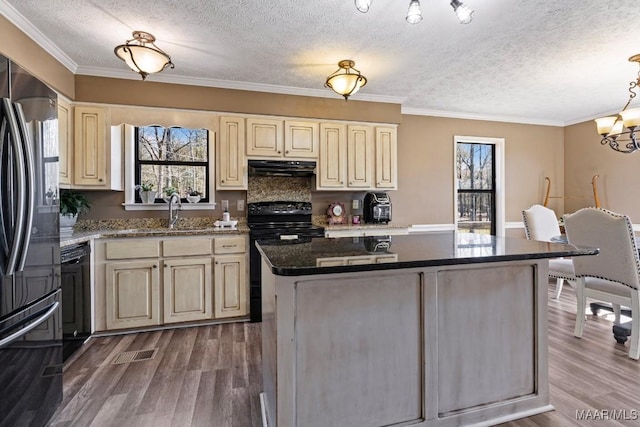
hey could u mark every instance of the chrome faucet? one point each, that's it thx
(174, 206)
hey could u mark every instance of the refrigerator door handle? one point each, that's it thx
(48, 312)
(18, 232)
(4, 216)
(30, 184)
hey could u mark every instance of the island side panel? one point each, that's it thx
(269, 352)
(491, 346)
(359, 350)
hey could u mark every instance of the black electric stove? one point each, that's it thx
(282, 222)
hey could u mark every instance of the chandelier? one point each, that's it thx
(346, 80)
(414, 13)
(622, 127)
(142, 55)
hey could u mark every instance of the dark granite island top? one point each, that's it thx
(421, 330)
(287, 258)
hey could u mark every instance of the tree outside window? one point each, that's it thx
(173, 157)
(476, 187)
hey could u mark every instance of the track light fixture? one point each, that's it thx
(414, 14)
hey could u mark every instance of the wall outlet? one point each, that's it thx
(355, 204)
(240, 205)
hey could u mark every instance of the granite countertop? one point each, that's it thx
(85, 231)
(417, 250)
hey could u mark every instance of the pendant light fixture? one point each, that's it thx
(363, 5)
(346, 80)
(142, 55)
(414, 14)
(463, 12)
(622, 127)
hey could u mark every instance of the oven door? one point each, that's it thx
(255, 270)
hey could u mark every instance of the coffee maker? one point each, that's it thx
(377, 208)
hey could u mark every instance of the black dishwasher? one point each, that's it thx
(76, 297)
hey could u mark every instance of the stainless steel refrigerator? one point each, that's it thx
(30, 315)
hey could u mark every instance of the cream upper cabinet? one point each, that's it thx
(386, 170)
(65, 138)
(332, 159)
(231, 173)
(277, 139)
(301, 139)
(264, 137)
(97, 159)
(360, 156)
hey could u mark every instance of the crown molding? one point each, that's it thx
(227, 84)
(36, 35)
(484, 117)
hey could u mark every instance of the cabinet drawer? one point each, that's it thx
(230, 245)
(186, 247)
(132, 248)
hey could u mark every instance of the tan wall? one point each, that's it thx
(154, 94)
(426, 166)
(15, 45)
(619, 173)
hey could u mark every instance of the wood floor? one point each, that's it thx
(211, 376)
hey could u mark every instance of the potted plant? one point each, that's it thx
(193, 196)
(147, 194)
(168, 191)
(71, 205)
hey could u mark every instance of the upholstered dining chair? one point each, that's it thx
(614, 274)
(540, 223)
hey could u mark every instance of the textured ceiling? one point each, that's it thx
(531, 61)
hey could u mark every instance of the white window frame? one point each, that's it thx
(499, 178)
(129, 204)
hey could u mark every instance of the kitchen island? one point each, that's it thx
(438, 329)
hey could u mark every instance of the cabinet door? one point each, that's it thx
(90, 146)
(230, 286)
(132, 294)
(301, 139)
(187, 289)
(386, 162)
(332, 159)
(232, 171)
(359, 157)
(65, 154)
(73, 314)
(264, 138)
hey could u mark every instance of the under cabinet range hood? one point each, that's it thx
(281, 168)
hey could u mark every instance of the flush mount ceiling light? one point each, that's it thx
(346, 80)
(142, 55)
(622, 127)
(414, 14)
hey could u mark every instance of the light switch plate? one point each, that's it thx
(240, 205)
(355, 204)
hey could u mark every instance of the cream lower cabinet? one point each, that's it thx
(132, 294)
(187, 289)
(141, 282)
(230, 277)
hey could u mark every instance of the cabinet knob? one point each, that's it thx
(165, 265)
(217, 262)
(99, 179)
(155, 266)
(222, 181)
(279, 152)
(286, 152)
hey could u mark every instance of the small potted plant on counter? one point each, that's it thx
(147, 194)
(193, 196)
(71, 205)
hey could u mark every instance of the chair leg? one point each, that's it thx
(581, 304)
(634, 350)
(559, 283)
(616, 312)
